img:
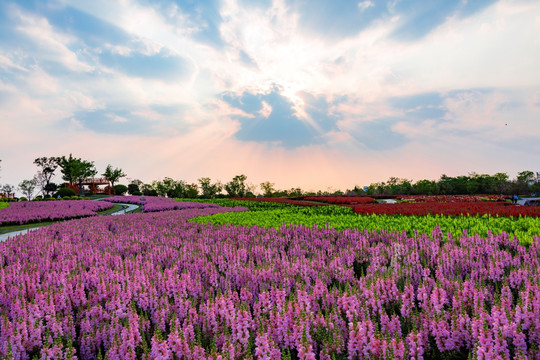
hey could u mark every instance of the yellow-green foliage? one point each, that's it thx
(3, 204)
(525, 229)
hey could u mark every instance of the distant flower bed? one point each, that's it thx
(452, 198)
(153, 203)
(341, 199)
(449, 208)
(30, 212)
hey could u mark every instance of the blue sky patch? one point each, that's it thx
(280, 125)
(378, 134)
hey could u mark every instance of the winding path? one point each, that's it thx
(125, 209)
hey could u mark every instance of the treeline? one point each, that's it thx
(526, 182)
(75, 171)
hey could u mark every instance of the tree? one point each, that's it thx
(170, 188)
(51, 188)
(76, 170)
(148, 190)
(209, 190)
(113, 175)
(237, 186)
(120, 189)
(46, 168)
(8, 189)
(191, 191)
(27, 187)
(501, 183)
(268, 189)
(133, 189)
(524, 180)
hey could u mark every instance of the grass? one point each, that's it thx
(114, 209)
(3, 204)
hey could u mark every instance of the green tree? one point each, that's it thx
(46, 168)
(120, 189)
(113, 175)
(8, 189)
(268, 189)
(133, 189)
(209, 190)
(191, 191)
(148, 190)
(524, 181)
(27, 187)
(501, 183)
(76, 170)
(237, 188)
(170, 188)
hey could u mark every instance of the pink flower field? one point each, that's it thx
(25, 212)
(154, 203)
(155, 286)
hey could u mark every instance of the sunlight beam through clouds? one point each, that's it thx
(273, 89)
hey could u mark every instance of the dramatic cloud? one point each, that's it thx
(314, 94)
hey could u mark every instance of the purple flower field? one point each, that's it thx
(154, 203)
(37, 211)
(154, 286)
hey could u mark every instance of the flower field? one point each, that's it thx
(343, 218)
(417, 205)
(154, 203)
(156, 286)
(338, 200)
(25, 212)
(450, 208)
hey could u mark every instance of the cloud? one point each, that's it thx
(163, 65)
(418, 18)
(224, 87)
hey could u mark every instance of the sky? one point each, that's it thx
(322, 95)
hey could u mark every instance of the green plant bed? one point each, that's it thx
(3, 204)
(525, 229)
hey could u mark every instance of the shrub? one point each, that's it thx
(22, 198)
(133, 189)
(120, 189)
(64, 192)
(38, 198)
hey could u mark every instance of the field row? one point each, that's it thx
(418, 205)
(154, 286)
(25, 212)
(276, 215)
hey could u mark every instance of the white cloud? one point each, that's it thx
(7, 64)
(366, 4)
(52, 45)
(117, 119)
(266, 109)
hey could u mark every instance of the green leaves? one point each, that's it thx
(269, 215)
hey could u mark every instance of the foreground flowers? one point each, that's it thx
(153, 286)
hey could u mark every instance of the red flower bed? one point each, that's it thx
(337, 200)
(449, 208)
(452, 198)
